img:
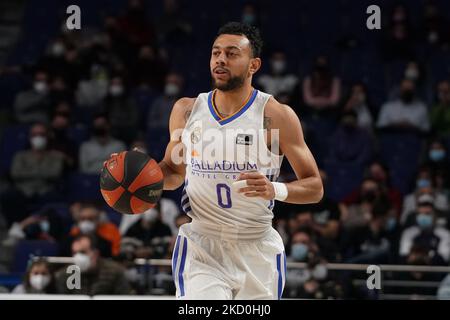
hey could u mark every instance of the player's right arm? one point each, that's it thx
(173, 165)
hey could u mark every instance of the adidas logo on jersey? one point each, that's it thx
(246, 139)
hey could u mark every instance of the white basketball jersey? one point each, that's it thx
(217, 150)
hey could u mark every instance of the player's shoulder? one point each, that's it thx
(181, 111)
(184, 103)
(279, 113)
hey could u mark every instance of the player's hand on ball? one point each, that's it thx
(257, 186)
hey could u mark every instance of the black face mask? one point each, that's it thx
(100, 131)
(59, 132)
(322, 69)
(368, 196)
(407, 96)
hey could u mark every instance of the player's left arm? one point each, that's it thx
(308, 187)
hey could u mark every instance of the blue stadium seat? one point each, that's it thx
(342, 179)
(401, 153)
(84, 187)
(78, 134)
(26, 249)
(14, 139)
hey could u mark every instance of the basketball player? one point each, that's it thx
(230, 250)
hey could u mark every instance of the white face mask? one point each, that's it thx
(82, 261)
(40, 87)
(39, 281)
(412, 74)
(278, 66)
(86, 226)
(45, 226)
(58, 49)
(171, 89)
(116, 90)
(38, 142)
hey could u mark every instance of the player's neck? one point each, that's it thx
(228, 102)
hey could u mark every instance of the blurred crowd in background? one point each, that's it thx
(374, 106)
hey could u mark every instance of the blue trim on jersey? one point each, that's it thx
(285, 267)
(185, 201)
(234, 116)
(185, 204)
(280, 276)
(211, 107)
(175, 258)
(180, 272)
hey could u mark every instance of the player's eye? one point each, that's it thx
(216, 53)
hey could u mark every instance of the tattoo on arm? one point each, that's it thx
(267, 122)
(186, 115)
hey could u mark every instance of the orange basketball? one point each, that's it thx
(131, 182)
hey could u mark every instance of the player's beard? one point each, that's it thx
(233, 83)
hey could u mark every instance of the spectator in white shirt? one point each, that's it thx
(99, 148)
(278, 81)
(406, 112)
(435, 239)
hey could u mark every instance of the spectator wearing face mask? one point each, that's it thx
(425, 233)
(314, 280)
(45, 225)
(89, 223)
(424, 186)
(358, 102)
(419, 255)
(35, 171)
(60, 141)
(380, 173)
(159, 112)
(350, 144)
(370, 243)
(35, 174)
(99, 276)
(59, 92)
(98, 149)
(150, 69)
(39, 279)
(440, 112)
(357, 214)
(278, 81)
(407, 112)
(153, 232)
(415, 73)
(122, 111)
(433, 24)
(398, 38)
(168, 209)
(436, 157)
(321, 89)
(33, 105)
(250, 15)
(91, 92)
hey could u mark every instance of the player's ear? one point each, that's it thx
(255, 64)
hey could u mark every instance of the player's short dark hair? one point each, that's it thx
(242, 29)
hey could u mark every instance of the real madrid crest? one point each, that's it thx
(196, 135)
